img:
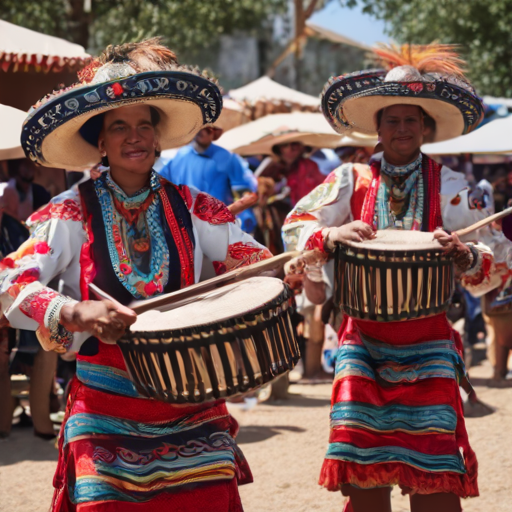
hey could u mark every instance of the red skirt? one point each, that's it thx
(396, 410)
(128, 453)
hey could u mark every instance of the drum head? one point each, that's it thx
(399, 240)
(230, 301)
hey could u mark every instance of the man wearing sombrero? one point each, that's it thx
(134, 235)
(396, 415)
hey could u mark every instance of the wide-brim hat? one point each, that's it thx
(11, 121)
(269, 144)
(260, 136)
(185, 100)
(351, 102)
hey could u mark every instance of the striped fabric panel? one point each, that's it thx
(405, 354)
(98, 489)
(106, 378)
(354, 361)
(138, 475)
(431, 463)
(399, 363)
(396, 417)
(85, 424)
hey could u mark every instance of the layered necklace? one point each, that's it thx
(400, 197)
(135, 237)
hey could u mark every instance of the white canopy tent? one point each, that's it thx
(11, 124)
(264, 88)
(21, 46)
(493, 138)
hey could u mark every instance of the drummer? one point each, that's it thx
(134, 235)
(398, 421)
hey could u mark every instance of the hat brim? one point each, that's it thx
(186, 102)
(265, 145)
(352, 102)
(12, 153)
(363, 113)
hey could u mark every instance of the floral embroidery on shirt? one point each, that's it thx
(212, 210)
(65, 210)
(36, 304)
(239, 255)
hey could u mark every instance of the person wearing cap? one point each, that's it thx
(396, 410)
(134, 235)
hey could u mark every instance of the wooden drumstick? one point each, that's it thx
(484, 222)
(275, 263)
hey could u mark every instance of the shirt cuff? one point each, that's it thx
(316, 242)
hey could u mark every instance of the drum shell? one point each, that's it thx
(417, 283)
(213, 361)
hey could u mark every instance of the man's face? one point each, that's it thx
(291, 151)
(401, 130)
(205, 136)
(129, 138)
(26, 171)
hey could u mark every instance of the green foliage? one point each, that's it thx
(187, 25)
(482, 28)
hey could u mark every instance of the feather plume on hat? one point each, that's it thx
(147, 55)
(429, 58)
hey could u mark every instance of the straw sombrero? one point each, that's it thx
(260, 136)
(428, 76)
(55, 133)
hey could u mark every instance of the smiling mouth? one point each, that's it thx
(135, 155)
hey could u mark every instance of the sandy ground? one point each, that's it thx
(284, 443)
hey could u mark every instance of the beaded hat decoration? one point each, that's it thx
(430, 76)
(61, 129)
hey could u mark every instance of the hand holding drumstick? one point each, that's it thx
(105, 319)
(459, 251)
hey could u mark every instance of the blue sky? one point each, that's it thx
(352, 23)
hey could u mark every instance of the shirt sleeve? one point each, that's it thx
(166, 172)
(240, 176)
(483, 275)
(328, 205)
(490, 247)
(54, 246)
(456, 208)
(220, 237)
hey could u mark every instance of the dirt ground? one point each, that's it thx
(284, 443)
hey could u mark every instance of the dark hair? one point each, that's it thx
(13, 166)
(428, 121)
(276, 148)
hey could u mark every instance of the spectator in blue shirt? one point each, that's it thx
(214, 170)
(201, 160)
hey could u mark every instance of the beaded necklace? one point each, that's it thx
(400, 196)
(135, 236)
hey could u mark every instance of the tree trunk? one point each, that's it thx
(78, 23)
